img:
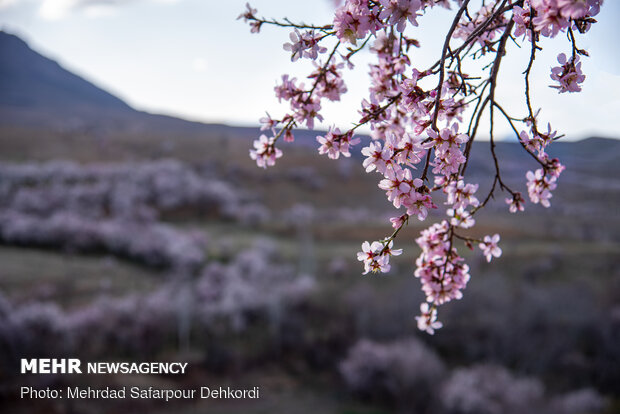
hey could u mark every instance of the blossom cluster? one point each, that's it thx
(421, 141)
(334, 143)
(441, 271)
(555, 16)
(542, 182)
(568, 75)
(548, 18)
(264, 152)
(376, 256)
(304, 45)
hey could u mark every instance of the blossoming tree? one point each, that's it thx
(424, 120)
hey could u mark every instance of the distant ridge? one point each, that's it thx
(35, 91)
(31, 81)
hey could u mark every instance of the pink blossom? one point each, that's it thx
(521, 17)
(515, 203)
(490, 248)
(399, 12)
(335, 143)
(370, 110)
(448, 162)
(372, 258)
(369, 251)
(354, 20)
(268, 122)
(548, 21)
(427, 321)
(265, 153)
(288, 89)
(439, 267)
(376, 157)
(413, 95)
(399, 221)
(461, 218)
(532, 144)
(255, 26)
(555, 168)
(418, 204)
(578, 9)
(387, 250)
(461, 195)
(539, 187)
(467, 26)
(329, 80)
(397, 182)
(447, 138)
(409, 150)
(248, 14)
(568, 75)
(376, 256)
(306, 110)
(288, 135)
(304, 45)
(448, 155)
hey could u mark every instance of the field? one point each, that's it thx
(154, 246)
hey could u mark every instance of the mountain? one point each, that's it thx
(36, 91)
(29, 80)
(40, 95)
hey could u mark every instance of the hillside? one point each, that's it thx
(33, 83)
(37, 92)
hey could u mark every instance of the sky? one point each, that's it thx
(194, 59)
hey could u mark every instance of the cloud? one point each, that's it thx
(55, 9)
(200, 64)
(58, 9)
(7, 3)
